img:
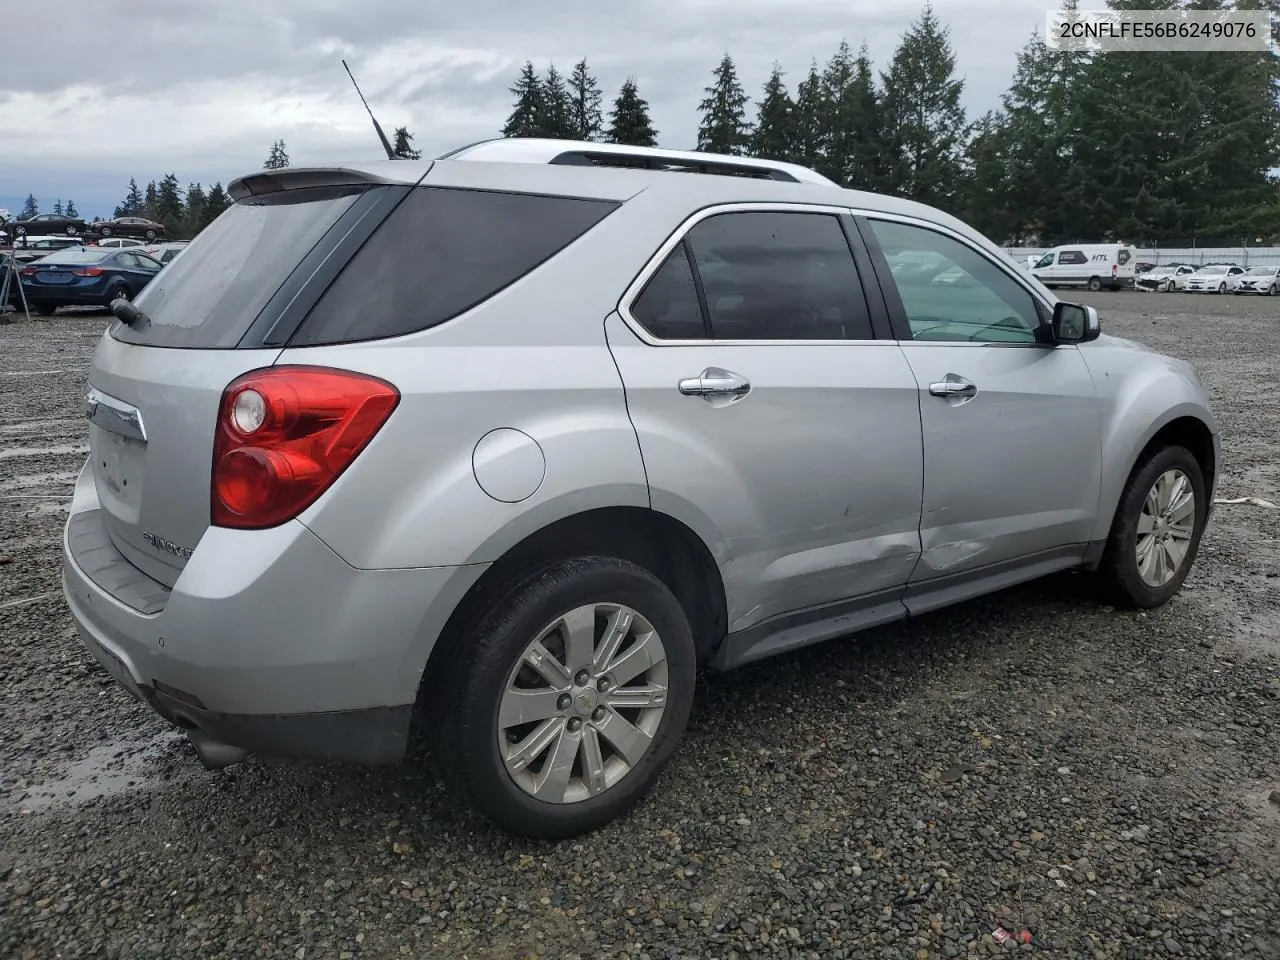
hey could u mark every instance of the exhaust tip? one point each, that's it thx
(215, 754)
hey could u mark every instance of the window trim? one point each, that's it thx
(893, 300)
(869, 284)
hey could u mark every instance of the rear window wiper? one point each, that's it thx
(130, 315)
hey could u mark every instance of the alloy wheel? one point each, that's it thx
(583, 703)
(1165, 528)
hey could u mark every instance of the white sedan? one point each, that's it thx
(1260, 280)
(1215, 278)
(1165, 279)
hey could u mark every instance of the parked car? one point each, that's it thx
(46, 245)
(86, 277)
(129, 227)
(1166, 278)
(1260, 279)
(1090, 265)
(329, 469)
(115, 243)
(1212, 278)
(162, 253)
(46, 223)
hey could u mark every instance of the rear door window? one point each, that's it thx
(668, 306)
(441, 252)
(779, 276)
(210, 299)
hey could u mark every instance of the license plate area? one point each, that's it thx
(118, 468)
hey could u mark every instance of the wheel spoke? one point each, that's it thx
(579, 628)
(646, 652)
(615, 632)
(628, 739)
(1183, 506)
(548, 667)
(634, 698)
(592, 761)
(1146, 523)
(554, 782)
(532, 746)
(521, 705)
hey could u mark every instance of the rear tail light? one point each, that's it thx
(28, 271)
(1114, 269)
(284, 434)
(88, 272)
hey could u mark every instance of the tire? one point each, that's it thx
(118, 292)
(1095, 284)
(1120, 570)
(106, 231)
(1271, 290)
(151, 234)
(491, 660)
(1222, 287)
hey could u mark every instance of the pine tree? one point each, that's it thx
(526, 116)
(850, 119)
(170, 206)
(925, 122)
(278, 158)
(71, 210)
(150, 202)
(133, 202)
(403, 145)
(193, 218)
(724, 127)
(810, 118)
(982, 200)
(629, 120)
(775, 129)
(585, 97)
(29, 207)
(557, 106)
(57, 207)
(215, 202)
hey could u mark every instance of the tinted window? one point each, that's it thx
(234, 267)
(779, 276)
(1123, 257)
(1072, 256)
(440, 253)
(668, 306)
(969, 299)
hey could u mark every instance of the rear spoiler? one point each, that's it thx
(300, 178)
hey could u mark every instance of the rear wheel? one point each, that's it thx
(106, 231)
(1095, 284)
(151, 234)
(567, 699)
(1157, 529)
(118, 292)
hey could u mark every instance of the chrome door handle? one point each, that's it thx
(713, 382)
(953, 386)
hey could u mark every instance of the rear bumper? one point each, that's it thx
(267, 640)
(69, 294)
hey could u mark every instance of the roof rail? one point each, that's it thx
(590, 153)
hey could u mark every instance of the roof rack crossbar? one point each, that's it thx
(657, 162)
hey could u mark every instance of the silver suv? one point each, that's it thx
(501, 447)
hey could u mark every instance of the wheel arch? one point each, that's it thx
(660, 543)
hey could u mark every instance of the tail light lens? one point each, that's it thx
(28, 271)
(89, 272)
(284, 434)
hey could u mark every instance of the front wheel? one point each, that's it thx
(151, 234)
(566, 701)
(106, 231)
(1157, 529)
(1222, 287)
(1095, 284)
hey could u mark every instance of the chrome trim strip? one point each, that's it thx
(115, 415)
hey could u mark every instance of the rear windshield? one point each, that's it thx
(73, 256)
(441, 252)
(210, 297)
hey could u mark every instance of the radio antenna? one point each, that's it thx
(386, 144)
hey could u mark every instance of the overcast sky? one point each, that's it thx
(91, 95)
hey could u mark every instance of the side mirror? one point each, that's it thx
(1075, 323)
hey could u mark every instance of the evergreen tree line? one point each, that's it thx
(1144, 147)
(184, 212)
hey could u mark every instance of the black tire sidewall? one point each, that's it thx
(1122, 566)
(480, 677)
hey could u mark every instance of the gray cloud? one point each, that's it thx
(203, 89)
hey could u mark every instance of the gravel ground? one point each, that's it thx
(1033, 759)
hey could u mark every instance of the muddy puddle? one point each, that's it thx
(118, 767)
